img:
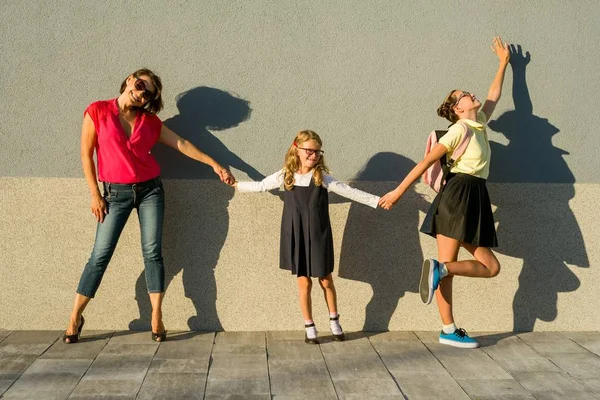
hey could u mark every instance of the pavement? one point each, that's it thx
(279, 365)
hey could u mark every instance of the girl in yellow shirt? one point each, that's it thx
(461, 214)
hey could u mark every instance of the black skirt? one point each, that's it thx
(462, 211)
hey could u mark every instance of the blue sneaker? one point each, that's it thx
(458, 338)
(430, 279)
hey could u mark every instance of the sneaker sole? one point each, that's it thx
(426, 282)
(459, 344)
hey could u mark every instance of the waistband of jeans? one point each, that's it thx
(151, 183)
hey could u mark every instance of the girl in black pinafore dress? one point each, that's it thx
(306, 244)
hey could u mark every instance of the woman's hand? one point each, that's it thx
(99, 208)
(224, 175)
(501, 50)
(389, 199)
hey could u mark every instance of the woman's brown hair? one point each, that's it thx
(446, 110)
(156, 104)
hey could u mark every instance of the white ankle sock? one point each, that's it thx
(449, 328)
(336, 328)
(311, 331)
(443, 270)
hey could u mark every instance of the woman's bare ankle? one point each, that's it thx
(73, 325)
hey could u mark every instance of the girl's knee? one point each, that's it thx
(488, 259)
(304, 282)
(326, 282)
(494, 268)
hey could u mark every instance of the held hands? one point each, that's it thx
(389, 199)
(224, 175)
(501, 50)
(99, 208)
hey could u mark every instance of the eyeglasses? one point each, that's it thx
(310, 152)
(463, 94)
(146, 94)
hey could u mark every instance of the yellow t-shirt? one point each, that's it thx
(476, 158)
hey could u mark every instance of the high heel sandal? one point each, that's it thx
(162, 336)
(306, 338)
(74, 338)
(341, 337)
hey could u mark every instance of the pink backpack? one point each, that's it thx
(435, 176)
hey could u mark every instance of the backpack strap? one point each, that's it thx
(462, 145)
(458, 151)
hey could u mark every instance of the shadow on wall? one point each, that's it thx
(389, 256)
(196, 220)
(536, 225)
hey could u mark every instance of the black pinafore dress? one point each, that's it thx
(306, 246)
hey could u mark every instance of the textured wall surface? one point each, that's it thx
(241, 78)
(221, 255)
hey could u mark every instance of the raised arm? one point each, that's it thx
(391, 198)
(171, 139)
(502, 51)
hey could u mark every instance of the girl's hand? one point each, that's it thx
(99, 208)
(501, 49)
(389, 199)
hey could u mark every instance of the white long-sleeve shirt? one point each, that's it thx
(275, 181)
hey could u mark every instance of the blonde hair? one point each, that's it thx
(292, 161)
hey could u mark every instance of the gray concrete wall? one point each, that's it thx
(241, 78)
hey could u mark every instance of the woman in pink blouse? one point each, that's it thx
(123, 131)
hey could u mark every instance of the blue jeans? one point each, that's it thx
(149, 200)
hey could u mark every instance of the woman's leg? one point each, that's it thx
(304, 289)
(151, 210)
(329, 293)
(75, 320)
(107, 236)
(156, 301)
